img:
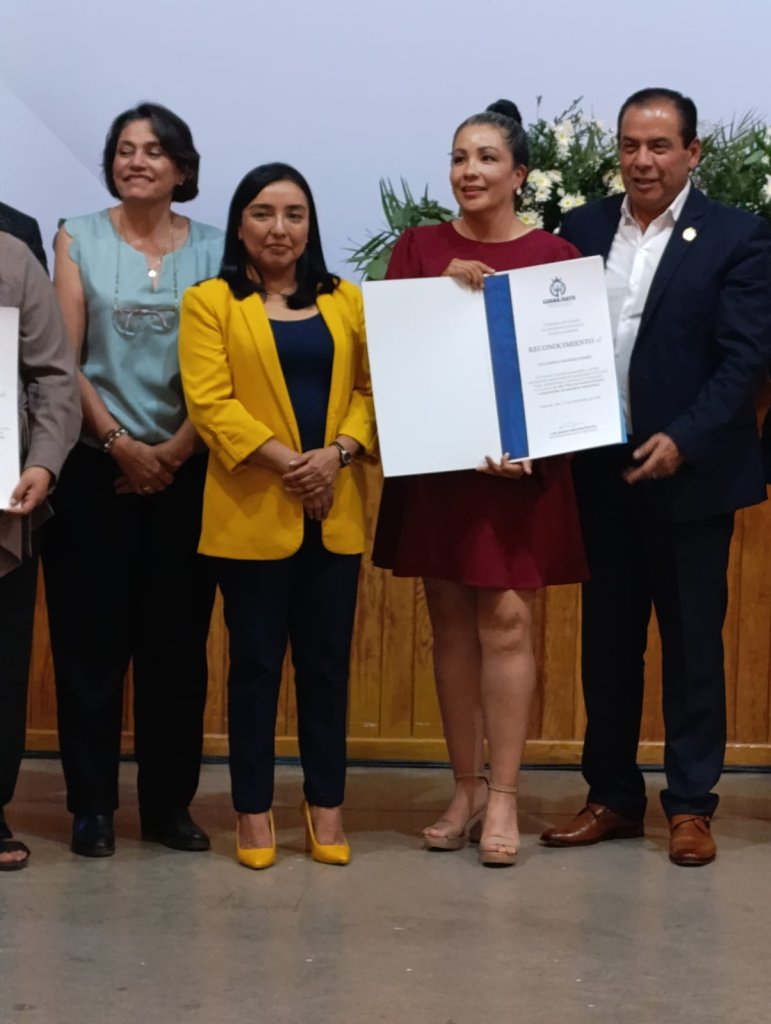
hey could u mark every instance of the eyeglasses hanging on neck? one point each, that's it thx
(133, 319)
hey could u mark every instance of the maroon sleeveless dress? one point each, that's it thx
(469, 527)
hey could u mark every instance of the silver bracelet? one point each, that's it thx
(112, 436)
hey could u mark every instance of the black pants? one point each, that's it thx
(637, 560)
(309, 599)
(124, 583)
(17, 611)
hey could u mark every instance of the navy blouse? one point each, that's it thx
(306, 350)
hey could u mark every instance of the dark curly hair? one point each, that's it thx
(176, 141)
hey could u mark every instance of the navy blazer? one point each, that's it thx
(702, 350)
(16, 223)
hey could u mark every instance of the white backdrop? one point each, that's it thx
(347, 91)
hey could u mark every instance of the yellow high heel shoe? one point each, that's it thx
(324, 853)
(452, 839)
(506, 853)
(258, 857)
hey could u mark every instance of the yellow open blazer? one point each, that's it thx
(237, 399)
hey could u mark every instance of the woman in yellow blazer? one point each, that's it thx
(275, 373)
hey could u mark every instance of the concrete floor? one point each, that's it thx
(609, 934)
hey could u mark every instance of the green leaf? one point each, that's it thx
(376, 268)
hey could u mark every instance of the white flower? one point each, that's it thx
(538, 179)
(563, 136)
(565, 127)
(765, 160)
(554, 175)
(539, 183)
(613, 183)
(532, 218)
(767, 189)
(571, 200)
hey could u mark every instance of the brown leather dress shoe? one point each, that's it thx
(690, 840)
(594, 824)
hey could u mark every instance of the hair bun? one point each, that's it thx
(507, 108)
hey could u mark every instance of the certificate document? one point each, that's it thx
(525, 366)
(10, 468)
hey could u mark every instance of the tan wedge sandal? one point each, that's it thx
(498, 858)
(452, 839)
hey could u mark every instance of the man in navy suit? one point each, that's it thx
(689, 289)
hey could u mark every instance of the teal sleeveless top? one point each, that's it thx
(130, 348)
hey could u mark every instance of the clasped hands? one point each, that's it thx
(311, 477)
(147, 468)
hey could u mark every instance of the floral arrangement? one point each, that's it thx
(573, 160)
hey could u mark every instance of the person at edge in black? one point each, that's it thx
(49, 420)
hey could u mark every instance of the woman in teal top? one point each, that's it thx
(132, 319)
(123, 580)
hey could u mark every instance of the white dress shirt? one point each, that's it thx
(632, 262)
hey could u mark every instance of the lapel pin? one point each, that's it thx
(689, 234)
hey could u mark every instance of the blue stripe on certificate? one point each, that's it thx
(506, 376)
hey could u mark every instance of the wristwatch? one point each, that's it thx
(345, 456)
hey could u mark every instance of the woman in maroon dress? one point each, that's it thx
(483, 541)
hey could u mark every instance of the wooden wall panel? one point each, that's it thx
(397, 673)
(367, 656)
(560, 710)
(749, 653)
(425, 707)
(41, 705)
(393, 709)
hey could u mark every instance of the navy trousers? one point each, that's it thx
(308, 599)
(638, 560)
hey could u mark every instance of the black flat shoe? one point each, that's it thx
(93, 835)
(175, 829)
